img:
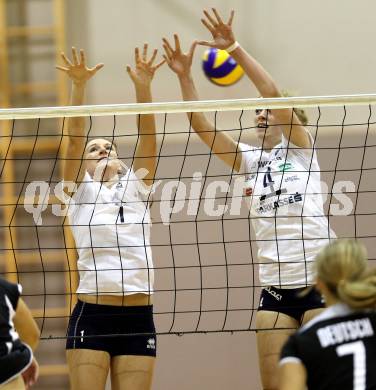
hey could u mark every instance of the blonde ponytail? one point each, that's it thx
(359, 294)
(342, 266)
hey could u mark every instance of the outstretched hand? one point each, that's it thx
(76, 69)
(223, 36)
(144, 71)
(179, 62)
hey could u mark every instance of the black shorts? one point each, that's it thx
(15, 362)
(289, 302)
(118, 330)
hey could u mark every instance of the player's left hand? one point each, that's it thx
(77, 69)
(178, 61)
(144, 71)
(223, 36)
(30, 375)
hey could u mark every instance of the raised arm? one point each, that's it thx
(25, 325)
(220, 142)
(224, 38)
(146, 149)
(79, 74)
(292, 376)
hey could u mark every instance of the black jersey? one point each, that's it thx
(9, 295)
(15, 356)
(337, 348)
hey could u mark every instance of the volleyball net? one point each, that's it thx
(205, 251)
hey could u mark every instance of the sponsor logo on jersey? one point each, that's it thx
(291, 178)
(151, 343)
(251, 177)
(263, 164)
(285, 167)
(248, 191)
(274, 294)
(297, 197)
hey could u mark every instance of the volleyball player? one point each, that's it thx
(282, 177)
(19, 336)
(337, 349)
(110, 222)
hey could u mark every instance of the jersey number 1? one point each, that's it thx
(358, 350)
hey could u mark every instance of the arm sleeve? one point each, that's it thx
(85, 191)
(307, 157)
(290, 352)
(248, 157)
(304, 154)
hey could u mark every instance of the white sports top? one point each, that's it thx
(286, 210)
(114, 254)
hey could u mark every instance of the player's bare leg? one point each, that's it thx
(88, 369)
(276, 328)
(309, 314)
(132, 372)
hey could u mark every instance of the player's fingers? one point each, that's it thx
(231, 18)
(206, 43)
(159, 64)
(166, 59)
(97, 67)
(65, 59)
(137, 55)
(61, 68)
(168, 51)
(153, 57)
(74, 56)
(208, 26)
(167, 44)
(82, 57)
(210, 18)
(177, 42)
(130, 72)
(145, 52)
(219, 19)
(192, 48)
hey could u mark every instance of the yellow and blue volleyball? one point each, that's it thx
(220, 68)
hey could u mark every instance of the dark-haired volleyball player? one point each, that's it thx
(282, 175)
(19, 336)
(110, 222)
(337, 349)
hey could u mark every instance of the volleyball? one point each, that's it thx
(220, 68)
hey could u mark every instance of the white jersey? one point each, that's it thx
(286, 210)
(111, 228)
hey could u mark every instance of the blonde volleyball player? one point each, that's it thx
(110, 222)
(19, 336)
(282, 175)
(337, 349)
